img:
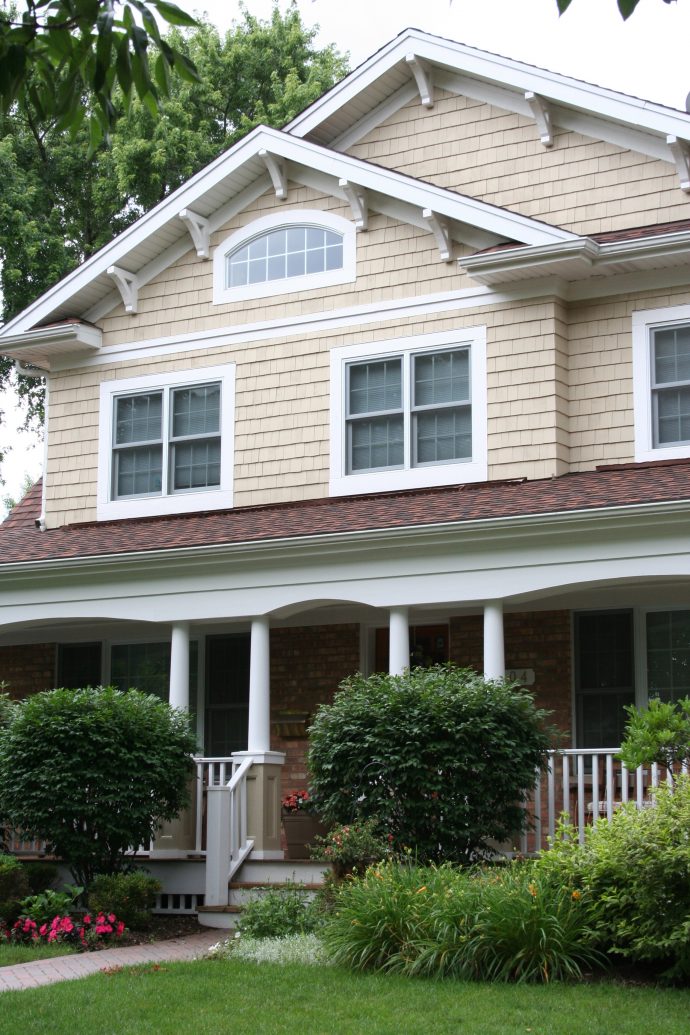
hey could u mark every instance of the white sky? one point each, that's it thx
(647, 56)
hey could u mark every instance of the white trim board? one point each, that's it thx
(475, 469)
(446, 203)
(457, 58)
(221, 498)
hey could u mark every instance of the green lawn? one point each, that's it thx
(11, 954)
(214, 997)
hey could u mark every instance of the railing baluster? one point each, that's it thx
(581, 798)
(595, 788)
(566, 786)
(537, 813)
(625, 782)
(610, 786)
(551, 795)
(639, 786)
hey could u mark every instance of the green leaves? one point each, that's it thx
(659, 733)
(92, 772)
(83, 43)
(440, 757)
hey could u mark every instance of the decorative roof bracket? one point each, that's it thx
(439, 228)
(542, 116)
(680, 149)
(277, 171)
(128, 286)
(422, 75)
(198, 230)
(357, 199)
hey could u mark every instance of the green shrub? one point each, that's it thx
(41, 876)
(498, 925)
(635, 873)
(659, 733)
(131, 896)
(93, 772)
(44, 907)
(352, 847)
(279, 912)
(13, 888)
(443, 758)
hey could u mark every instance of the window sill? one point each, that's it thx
(154, 506)
(416, 478)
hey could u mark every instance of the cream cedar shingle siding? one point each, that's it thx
(559, 376)
(394, 260)
(584, 185)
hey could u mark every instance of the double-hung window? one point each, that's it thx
(671, 385)
(410, 414)
(168, 446)
(661, 383)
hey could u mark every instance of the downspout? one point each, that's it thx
(36, 372)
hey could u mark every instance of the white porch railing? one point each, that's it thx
(227, 842)
(587, 786)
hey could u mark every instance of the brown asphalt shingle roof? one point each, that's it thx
(606, 487)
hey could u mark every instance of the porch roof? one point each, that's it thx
(611, 486)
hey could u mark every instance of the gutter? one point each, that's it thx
(35, 372)
(477, 528)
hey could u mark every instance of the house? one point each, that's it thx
(407, 380)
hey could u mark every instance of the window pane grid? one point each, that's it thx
(415, 404)
(284, 253)
(188, 459)
(671, 385)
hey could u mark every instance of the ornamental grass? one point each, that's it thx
(497, 924)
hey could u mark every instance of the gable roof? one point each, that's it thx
(310, 151)
(233, 181)
(607, 488)
(593, 110)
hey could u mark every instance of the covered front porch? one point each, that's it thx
(589, 610)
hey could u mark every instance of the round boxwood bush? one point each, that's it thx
(443, 758)
(93, 773)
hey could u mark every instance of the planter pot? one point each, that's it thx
(300, 830)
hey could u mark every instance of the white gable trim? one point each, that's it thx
(298, 153)
(559, 89)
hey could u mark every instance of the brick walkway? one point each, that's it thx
(67, 968)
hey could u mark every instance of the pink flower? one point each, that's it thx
(111, 918)
(86, 918)
(119, 930)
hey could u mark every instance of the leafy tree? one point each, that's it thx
(659, 733)
(93, 772)
(60, 201)
(54, 53)
(443, 758)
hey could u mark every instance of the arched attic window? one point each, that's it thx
(284, 252)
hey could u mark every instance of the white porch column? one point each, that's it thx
(399, 650)
(179, 667)
(494, 651)
(259, 730)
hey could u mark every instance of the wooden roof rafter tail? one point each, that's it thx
(231, 183)
(380, 86)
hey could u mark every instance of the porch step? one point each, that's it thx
(254, 885)
(219, 909)
(223, 917)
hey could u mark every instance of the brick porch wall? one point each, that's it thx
(539, 640)
(307, 664)
(27, 668)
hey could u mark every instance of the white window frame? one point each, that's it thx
(286, 285)
(182, 502)
(473, 469)
(643, 323)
